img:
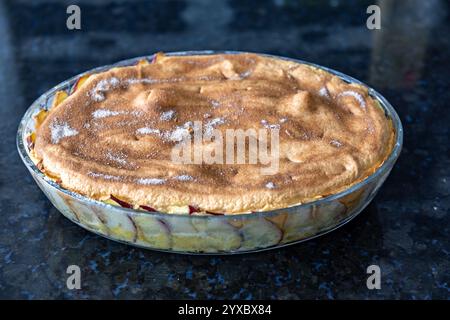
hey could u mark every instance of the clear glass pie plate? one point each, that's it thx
(207, 234)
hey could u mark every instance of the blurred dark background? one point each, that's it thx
(405, 229)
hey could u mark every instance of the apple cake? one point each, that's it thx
(112, 137)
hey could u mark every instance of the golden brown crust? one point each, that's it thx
(113, 135)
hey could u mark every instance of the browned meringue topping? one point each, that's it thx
(115, 133)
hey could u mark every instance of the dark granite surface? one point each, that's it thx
(405, 230)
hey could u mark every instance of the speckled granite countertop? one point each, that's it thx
(405, 230)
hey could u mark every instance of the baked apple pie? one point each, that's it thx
(202, 152)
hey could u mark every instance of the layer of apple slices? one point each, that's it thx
(210, 235)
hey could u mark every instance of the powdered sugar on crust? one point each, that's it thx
(152, 81)
(143, 81)
(323, 92)
(104, 176)
(177, 135)
(103, 113)
(167, 115)
(336, 143)
(118, 157)
(184, 177)
(147, 130)
(215, 103)
(245, 74)
(60, 131)
(269, 126)
(356, 95)
(270, 185)
(211, 124)
(98, 92)
(150, 181)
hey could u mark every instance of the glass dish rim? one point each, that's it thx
(386, 166)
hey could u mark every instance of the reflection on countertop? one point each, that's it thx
(404, 231)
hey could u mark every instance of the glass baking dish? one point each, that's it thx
(208, 234)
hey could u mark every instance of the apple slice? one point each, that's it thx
(328, 214)
(202, 235)
(214, 213)
(59, 97)
(119, 224)
(152, 232)
(31, 138)
(278, 219)
(39, 118)
(353, 199)
(184, 236)
(40, 166)
(157, 57)
(80, 82)
(88, 217)
(259, 233)
(299, 224)
(217, 235)
(119, 202)
(177, 209)
(147, 208)
(193, 209)
(61, 201)
(143, 62)
(111, 202)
